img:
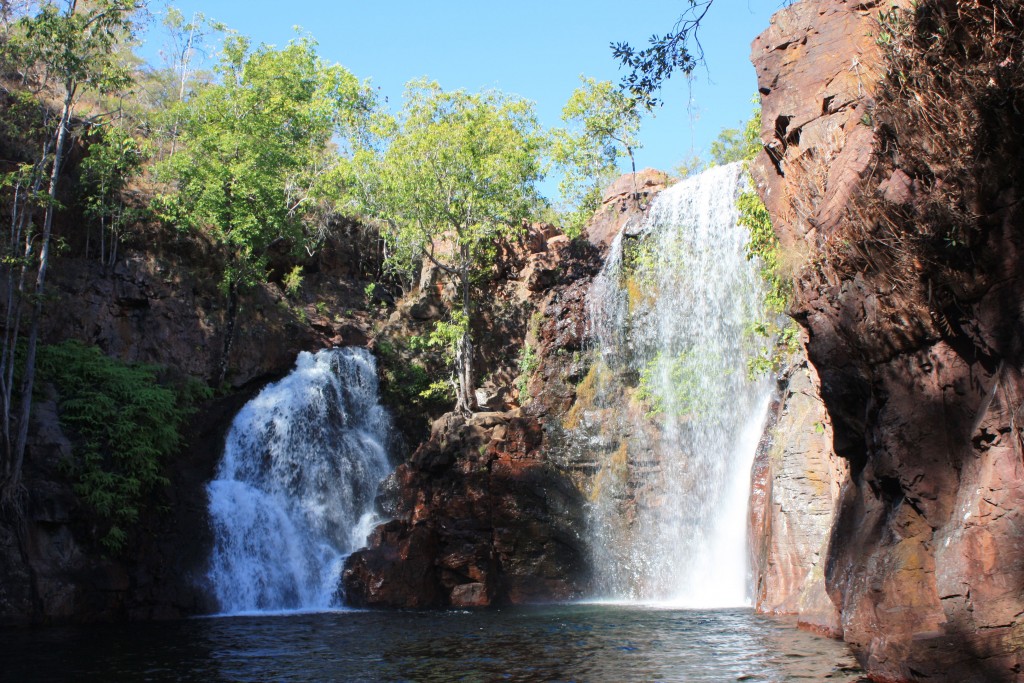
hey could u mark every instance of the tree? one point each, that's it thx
(735, 144)
(69, 48)
(603, 126)
(452, 175)
(257, 160)
(650, 67)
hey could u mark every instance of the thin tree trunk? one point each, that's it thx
(229, 332)
(466, 399)
(13, 484)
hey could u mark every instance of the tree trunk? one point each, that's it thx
(12, 486)
(466, 400)
(229, 332)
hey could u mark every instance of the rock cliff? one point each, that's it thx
(487, 511)
(893, 173)
(796, 480)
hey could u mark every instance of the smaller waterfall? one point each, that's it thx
(294, 492)
(668, 407)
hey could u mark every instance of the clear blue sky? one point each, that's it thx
(532, 48)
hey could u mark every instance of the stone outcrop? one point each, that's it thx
(623, 203)
(489, 509)
(796, 480)
(908, 283)
(481, 518)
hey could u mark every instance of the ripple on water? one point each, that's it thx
(599, 643)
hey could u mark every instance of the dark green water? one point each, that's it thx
(557, 643)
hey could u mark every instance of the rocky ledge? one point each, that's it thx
(480, 518)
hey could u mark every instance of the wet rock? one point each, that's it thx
(501, 522)
(796, 481)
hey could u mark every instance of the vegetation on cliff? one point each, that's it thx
(454, 175)
(63, 55)
(124, 423)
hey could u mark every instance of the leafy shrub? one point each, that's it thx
(124, 423)
(293, 281)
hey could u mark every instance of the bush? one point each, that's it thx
(123, 424)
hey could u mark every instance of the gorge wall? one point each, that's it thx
(893, 177)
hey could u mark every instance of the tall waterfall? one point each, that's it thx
(671, 410)
(294, 492)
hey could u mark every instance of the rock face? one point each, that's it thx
(623, 203)
(796, 480)
(908, 283)
(481, 518)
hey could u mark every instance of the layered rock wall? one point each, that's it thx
(796, 480)
(908, 284)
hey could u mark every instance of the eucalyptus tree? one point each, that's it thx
(454, 173)
(257, 163)
(602, 127)
(65, 50)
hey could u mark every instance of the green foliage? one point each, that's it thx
(114, 159)
(452, 175)
(528, 363)
(444, 337)
(672, 383)
(258, 163)
(452, 167)
(124, 422)
(734, 144)
(293, 281)
(764, 245)
(689, 167)
(80, 47)
(407, 385)
(602, 126)
(786, 337)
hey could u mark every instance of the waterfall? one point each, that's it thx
(294, 492)
(668, 405)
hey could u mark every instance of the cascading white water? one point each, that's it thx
(674, 413)
(294, 492)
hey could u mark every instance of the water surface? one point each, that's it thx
(557, 643)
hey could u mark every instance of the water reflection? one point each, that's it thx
(559, 643)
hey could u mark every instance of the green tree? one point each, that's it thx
(64, 49)
(114, 159)
(736, 144)
(452, 175)
(124, 424)
(602, 129)
(258, 163)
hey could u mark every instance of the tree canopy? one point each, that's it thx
(453, 173)
(256, 162)
(602, 129)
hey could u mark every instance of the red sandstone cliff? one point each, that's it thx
(894, 180)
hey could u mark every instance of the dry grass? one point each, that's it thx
(949, 116)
